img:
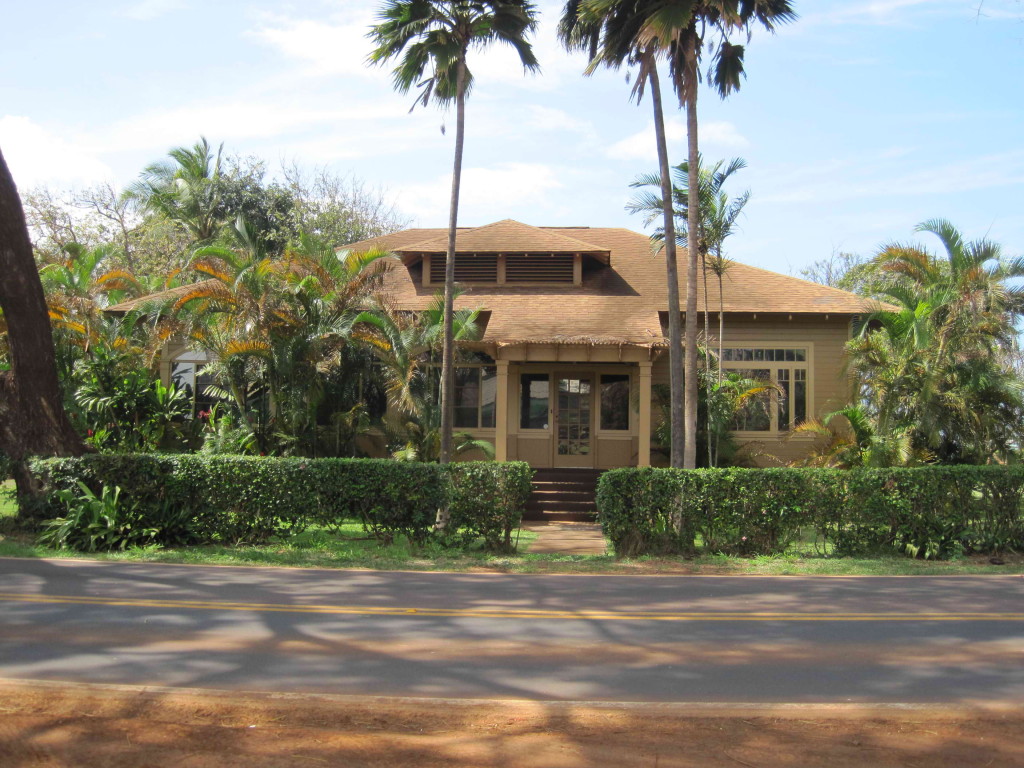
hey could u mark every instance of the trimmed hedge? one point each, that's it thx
(486, 500)
(236, 499)
(927, 512)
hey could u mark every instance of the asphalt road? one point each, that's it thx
(615, 638)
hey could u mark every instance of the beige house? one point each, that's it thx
(574, 340)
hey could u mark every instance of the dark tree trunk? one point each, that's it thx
(448, 349)
(32, 417)
(675, 340)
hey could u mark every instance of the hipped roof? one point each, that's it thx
(617, 303)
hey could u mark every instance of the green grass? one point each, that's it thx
(350, 548)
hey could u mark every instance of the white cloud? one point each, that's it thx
(147, 10)
(640, 146)
(883, 12)
(486, 194)
(37, 155)
(326, 47)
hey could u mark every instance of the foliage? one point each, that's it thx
(933, 368)
(927, 512)
(237, 499)
(95, 523)
(486, 500)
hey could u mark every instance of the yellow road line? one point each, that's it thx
(502, 613)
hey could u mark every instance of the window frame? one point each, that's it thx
(775, 430)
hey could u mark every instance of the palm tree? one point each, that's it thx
(433, 38)
(618, 33)
(718, 215)
(936, 366)
(187, 191)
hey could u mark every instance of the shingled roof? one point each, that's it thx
(616, 303)
(507, 236)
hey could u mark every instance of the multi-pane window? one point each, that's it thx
(783, 409)
(475, 397)
(534, 400)
(615, 401)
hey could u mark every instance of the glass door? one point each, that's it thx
(574, 421)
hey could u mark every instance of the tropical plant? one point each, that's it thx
(718, 216)
(618, 33)
(432, 39)
(94, 523)
(187, 190)
(933, 366)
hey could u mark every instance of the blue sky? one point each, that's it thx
(857, 122)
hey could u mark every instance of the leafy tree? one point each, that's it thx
(432, 39)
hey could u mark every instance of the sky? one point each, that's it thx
(857, 122)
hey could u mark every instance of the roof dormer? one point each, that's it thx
(506, 253)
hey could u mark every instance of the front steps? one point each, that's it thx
(563, 495)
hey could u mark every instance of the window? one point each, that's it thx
(188, 374)
(534, 393)
(475, 394)
(615, 401)
(784, 409)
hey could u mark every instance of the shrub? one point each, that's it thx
(486, 500)
(96, 523)
(389, 497)
(927, 512)
(235, 499)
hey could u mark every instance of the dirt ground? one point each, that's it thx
(89, 727)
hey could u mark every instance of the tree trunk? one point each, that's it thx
(32, 417)
(693, 250)
(448, 348)
(707, 357)
(675, 345)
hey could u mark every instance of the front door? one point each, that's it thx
(573, 421)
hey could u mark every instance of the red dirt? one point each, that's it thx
(89, 727)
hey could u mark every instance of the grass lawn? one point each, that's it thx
(351, 548)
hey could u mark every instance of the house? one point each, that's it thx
(574, 340)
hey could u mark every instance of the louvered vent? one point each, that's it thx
(538, 269)
(468, 269)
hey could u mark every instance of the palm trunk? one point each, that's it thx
(721, 334)
(707, 358)
(693, 250)
(448, 348)
(675, 346)
(32, 417)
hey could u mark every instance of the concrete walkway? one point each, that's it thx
(566, 538)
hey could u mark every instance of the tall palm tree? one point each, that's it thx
(618, 32)
(432, 40)
(718, 214)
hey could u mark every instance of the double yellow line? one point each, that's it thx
(503, 613)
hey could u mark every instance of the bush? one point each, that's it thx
(96, 523)
(248, 499)
(389, 497)
(927, 512)
(486, 500)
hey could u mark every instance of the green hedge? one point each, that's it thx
(250, 499)
(486, 500)
(928, 512)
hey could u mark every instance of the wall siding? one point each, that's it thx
(829, 385)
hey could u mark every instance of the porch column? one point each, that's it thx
(644, 457)
(501, 413)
